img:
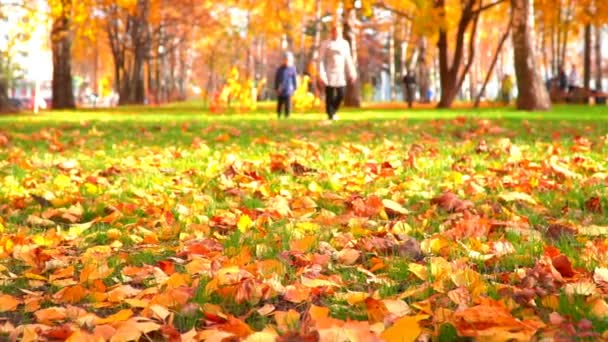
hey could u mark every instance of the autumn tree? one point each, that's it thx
(532, 92)
(453, 69)
(62, 33)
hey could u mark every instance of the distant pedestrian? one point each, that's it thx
(336, 63)
(409, 81)
(285, 84)
(562, 79)
(573, 79)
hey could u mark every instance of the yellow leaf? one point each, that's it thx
(517, 196)
(314, 187)
(77, 229)
(308, 282)
(244, 223)
(34, 276)
(405, 329)
(62, 181)
(437, 245)
(8, 303)
(307, 227)
(593, 230)
(353, 297)
(267, 335)
(420, 271)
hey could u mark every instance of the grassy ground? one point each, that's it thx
(216, 216)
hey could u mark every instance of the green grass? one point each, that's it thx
(180, 176)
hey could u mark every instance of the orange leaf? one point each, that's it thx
(47, 316)
(127, 331)
(405, 329)
(8, 303)
(376, 310)
(121, 315)
(81, 336)
(304, 244)
(73, 294)
(236, 326)
(104, 331)
(287, 320)
(297, 294)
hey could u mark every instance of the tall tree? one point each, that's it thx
(452, 73)
(532, 92)
(597, 46)
(587, 57)
(62, 33)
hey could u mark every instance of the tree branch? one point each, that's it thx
(487, 7)
(471, 55)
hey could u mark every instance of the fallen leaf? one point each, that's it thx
(348, 256)
(8, 303)
(405, 329)
(517, 196)
(394, 207)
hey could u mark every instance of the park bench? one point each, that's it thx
(578, 95)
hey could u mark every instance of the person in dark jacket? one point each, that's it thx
(409, 81)
(285, 84)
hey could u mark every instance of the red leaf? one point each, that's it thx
(170, 333)
(61, 332)
(563, 265)
(449, 202)
(167, 266)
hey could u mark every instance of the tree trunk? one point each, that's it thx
(532, 91)
(598, 57)
(4, 105)
(587, 58)
(391, 59)
(451, 74)
(423, 74)
(352, 97)
(61, 42)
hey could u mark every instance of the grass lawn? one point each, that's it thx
(148, 223)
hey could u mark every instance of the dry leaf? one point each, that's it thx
(405, 329)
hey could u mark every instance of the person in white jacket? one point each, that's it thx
(336, 64)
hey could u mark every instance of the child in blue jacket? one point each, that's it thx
(285, 84)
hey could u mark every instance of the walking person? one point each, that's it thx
(285, 84)
(336, 63)
(409, 81)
